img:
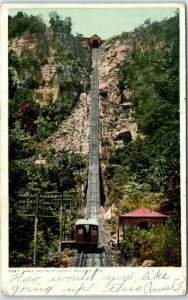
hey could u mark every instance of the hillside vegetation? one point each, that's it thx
(49, 70)
(147, 169)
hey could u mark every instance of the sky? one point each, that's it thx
(105, 22)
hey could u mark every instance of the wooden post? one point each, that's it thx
(118, 233)
(123, 231)
(36, 232)
(64, 234)
(60, 223)
(36, 210)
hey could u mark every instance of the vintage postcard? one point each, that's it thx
(93, 149)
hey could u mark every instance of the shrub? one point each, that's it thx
(153, 244)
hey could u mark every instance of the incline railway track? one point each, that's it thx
(98, 257)
(93, 192)
(87, 259)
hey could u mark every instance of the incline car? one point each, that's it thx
(87, 233)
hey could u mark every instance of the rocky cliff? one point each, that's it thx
(49, 69)
(54, 67)
(74, 132)
(115, 109)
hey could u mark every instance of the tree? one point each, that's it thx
(58, 24)
(22, 23)
(172, 191)
(61, 172)
(152, 76)
(27, 114)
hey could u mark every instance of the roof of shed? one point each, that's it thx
(143, 212)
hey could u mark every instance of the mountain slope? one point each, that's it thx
(48, 70)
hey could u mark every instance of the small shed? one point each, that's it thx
(142, 215)
(141, 218)
(94, 41)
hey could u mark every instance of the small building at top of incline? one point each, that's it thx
(94, 41)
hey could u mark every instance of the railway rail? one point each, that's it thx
(87, 259)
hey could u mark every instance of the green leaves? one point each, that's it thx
(58, 24)
(22, 23)
(149, 244)
(152, 75)
(149, 174)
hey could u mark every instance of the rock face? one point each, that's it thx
(115, 109)
(74, 133)
(32, 45)
(59, 68)
(55, 63)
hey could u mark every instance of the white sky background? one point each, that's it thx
(105, 22)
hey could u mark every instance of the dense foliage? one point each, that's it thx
(150, 245)
(58, 175)
(147, 169)
(70, 62)
(57, 24)
(152, 76)
(30, 123)
(22, 23)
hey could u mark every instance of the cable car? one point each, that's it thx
(87, 233)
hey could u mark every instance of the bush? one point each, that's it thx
(153, 244)
(62, 259)
(22, 23)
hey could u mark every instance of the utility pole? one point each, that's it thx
(118, 231)
(38, 206)
(36, 232)
(44, 206)
(64, 226)
(60, 223)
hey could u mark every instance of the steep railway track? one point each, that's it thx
(86, 259)
(98, 258)
(93, 192)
